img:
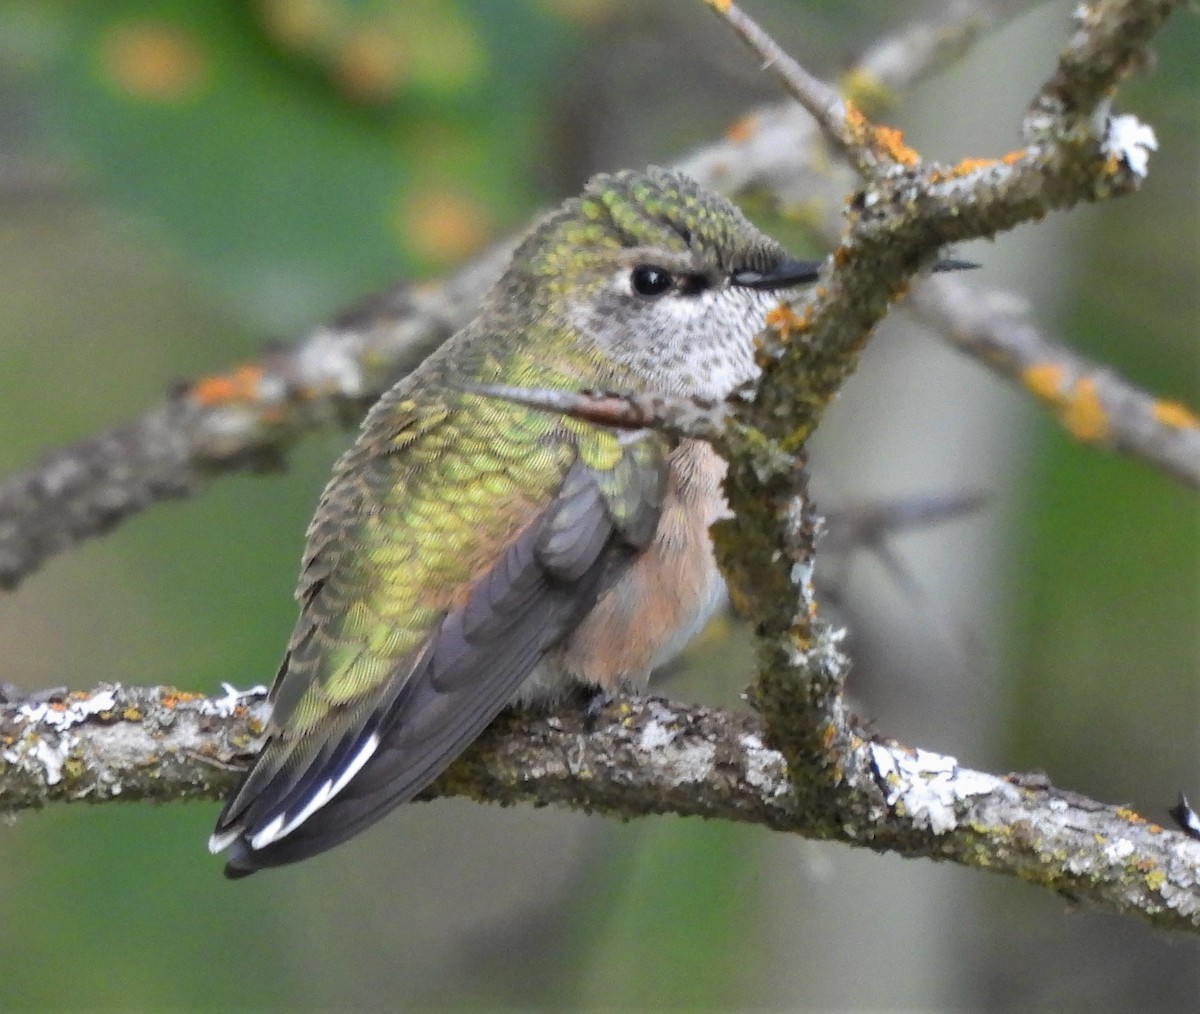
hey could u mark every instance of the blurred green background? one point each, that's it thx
(182, 182)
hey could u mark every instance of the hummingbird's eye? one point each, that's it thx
(648, 280)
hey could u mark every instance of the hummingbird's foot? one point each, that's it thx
(596, 699)
(10, 693)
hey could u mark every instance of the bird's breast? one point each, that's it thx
(660, 600)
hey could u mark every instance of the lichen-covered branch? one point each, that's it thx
(1090, 401)
(822, 775)
(245, 419)
(906, 211)
(831, 113)
(640, 757)
(241, 420)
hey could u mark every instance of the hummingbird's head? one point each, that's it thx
(666, 278)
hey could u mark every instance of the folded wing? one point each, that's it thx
(358, 730)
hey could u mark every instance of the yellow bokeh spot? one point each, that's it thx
(154, 60)
(1175, 415)
(584, 12)
(443, 224)
(866, 90)
(372, 66)
(447, 53)
(741, 130)
(299, 24)
(373, 53)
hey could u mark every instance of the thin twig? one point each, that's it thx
(1091, 402)
(823, 103)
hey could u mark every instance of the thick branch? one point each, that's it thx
(766, 548)
(643, 756)
(1109, 43)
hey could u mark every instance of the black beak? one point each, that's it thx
(785, 275)
(791, 273)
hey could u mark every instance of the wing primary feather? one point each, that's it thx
(219, 841)
(328, 790)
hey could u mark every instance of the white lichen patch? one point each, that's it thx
(329, 361)
(929, 787)
(1130, 141)
(655, 736)
(764, 766)
(225, 707)
(63, 715)
(1119, 850)
(689, 762)
(52, 757)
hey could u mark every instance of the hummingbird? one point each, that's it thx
(469, 552)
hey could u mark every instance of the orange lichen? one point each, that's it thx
(742, 129)
(800, 642)
(1078, 406)
(970, 165)
(154, 60)
(855, 119)
(1129, 815)
(828, 735)
(891, 142)
(786, 321)
(1044, 380)
(1175, 415)
(1083, 414)
(240, 385)
(720, 6)
(960, 169)
(1013, 157)
(169, 700)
